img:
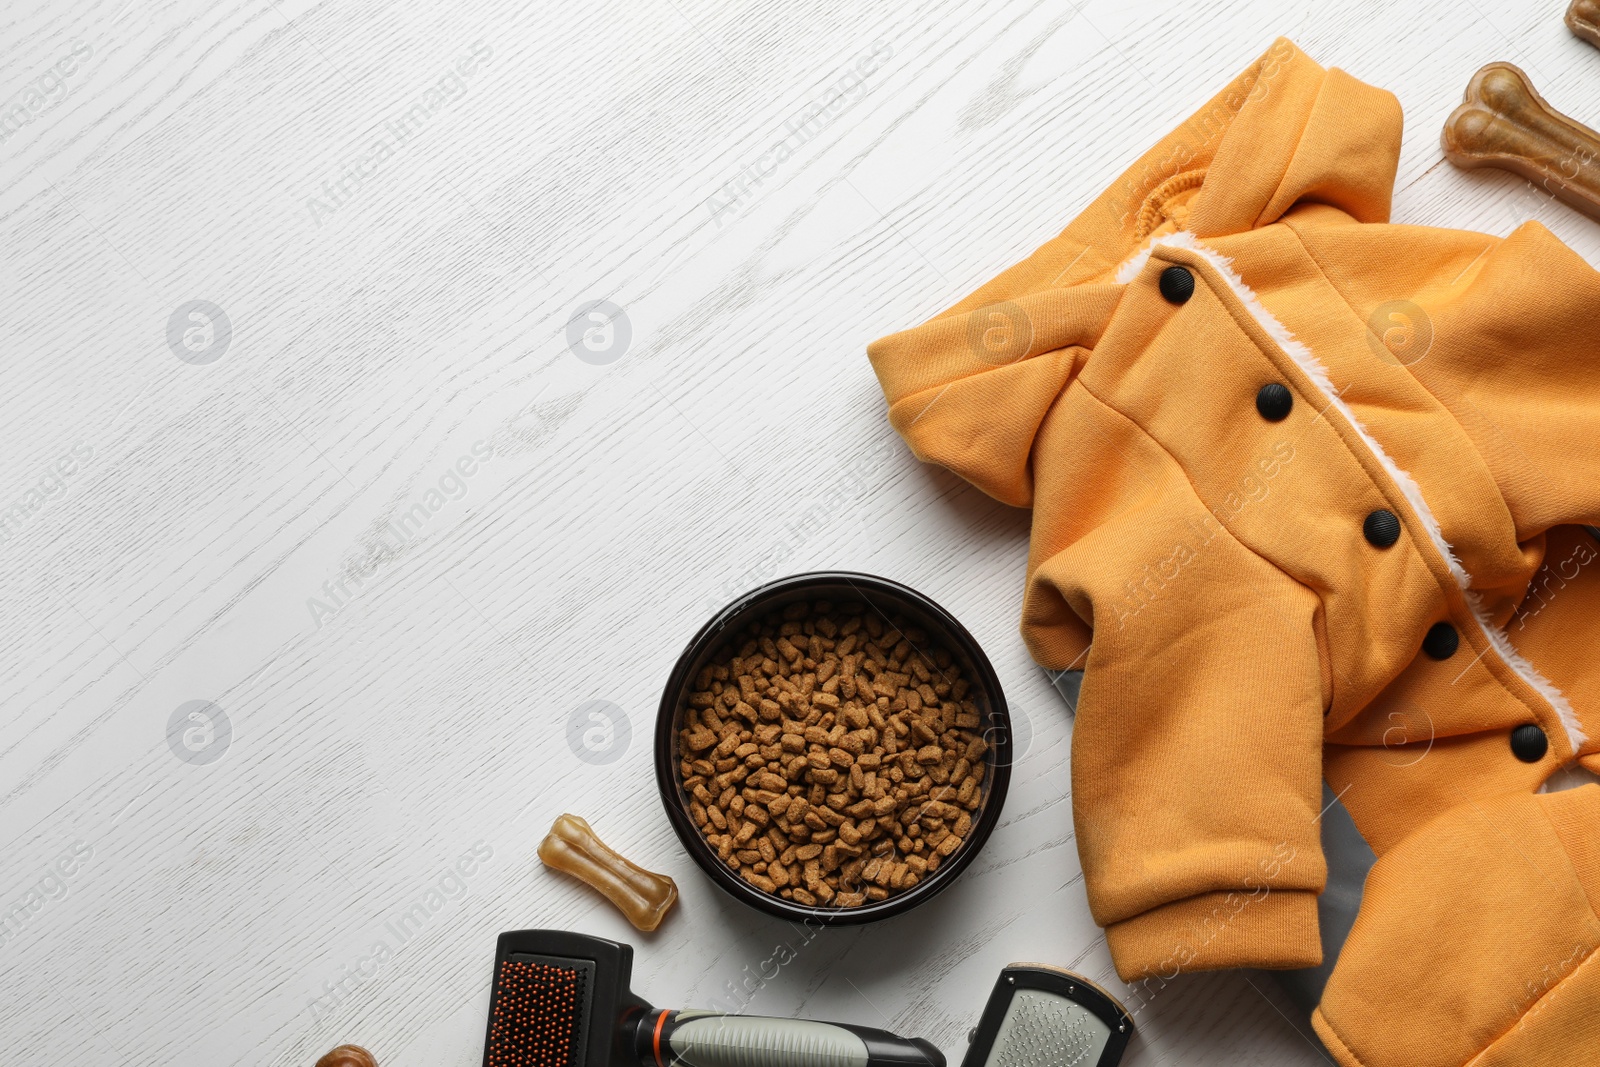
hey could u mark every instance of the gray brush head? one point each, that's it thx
(1043, 1017)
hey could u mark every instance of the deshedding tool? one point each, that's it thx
(564, 1000)
(1042, 1016)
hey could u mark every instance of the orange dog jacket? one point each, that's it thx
(1308, 496)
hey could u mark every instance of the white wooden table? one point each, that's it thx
(286, 515)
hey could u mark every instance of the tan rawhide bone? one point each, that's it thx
(1504, 123)
(1583, 19)
(643, 896)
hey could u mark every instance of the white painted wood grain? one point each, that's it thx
(391, 307)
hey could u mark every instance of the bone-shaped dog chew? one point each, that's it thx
(1504, 123)
(1583, 19)
(643, 896)
(347, 1056)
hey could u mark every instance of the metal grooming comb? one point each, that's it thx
(563, 1000)
(1042, 1016)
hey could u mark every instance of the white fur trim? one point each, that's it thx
(1135, 263)
(1318, 374)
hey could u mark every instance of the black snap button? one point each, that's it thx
(1528, 743)
(1442, 641)
(1274, 401)
(1177, 284)
(1382, 528)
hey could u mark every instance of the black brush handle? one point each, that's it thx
(669, 1038)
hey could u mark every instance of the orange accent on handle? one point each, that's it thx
(661, 1020)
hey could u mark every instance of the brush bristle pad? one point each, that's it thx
(1047, 1030)
(540, 1011)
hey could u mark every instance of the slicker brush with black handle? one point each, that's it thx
(564, 1000)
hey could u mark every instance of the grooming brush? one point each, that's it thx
(1041, 1016)
(563, 1000)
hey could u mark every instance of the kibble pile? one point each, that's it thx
(835, 759)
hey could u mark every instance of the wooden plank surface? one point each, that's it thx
(398, 208)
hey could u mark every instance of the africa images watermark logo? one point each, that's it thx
(1152, 582)
(1016, 728)
(599, 332)
(398, 534)
(1000, 334)
(199, 732)
(1399, 332)
(735, 194)
(598, 732)
(393, 133)
(831, 501)
(53, 884)
(42, 93)
(199, 332)
(402, 927)
(52, 485)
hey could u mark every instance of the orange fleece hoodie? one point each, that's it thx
(1298, 476)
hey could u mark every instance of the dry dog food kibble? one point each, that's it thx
(834, 757)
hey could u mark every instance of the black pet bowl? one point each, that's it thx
(889, 599)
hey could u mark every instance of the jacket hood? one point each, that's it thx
(1285, 132)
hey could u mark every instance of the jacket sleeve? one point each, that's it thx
(969, 389)
(1196, 752)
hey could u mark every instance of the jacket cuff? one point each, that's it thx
(1214, 931)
